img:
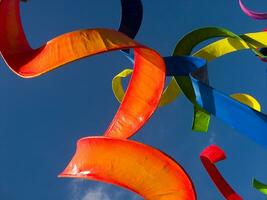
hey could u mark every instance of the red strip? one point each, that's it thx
(209, 157)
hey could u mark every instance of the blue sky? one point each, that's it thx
(42, 118)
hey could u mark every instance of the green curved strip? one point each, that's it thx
(166, 98)
(260, 186)
(184, 47)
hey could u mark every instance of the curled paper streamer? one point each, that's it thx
(252, 14)
(248, 121)
(185, 47)
(119, 92)
(190, 78)
(237, 115)
(209, 157)
(248, 100)
(255, 15)
(136, 107)
(260, 186)
(264, 52)
(132, 165)
(131, 17)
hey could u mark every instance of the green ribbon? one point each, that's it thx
(185, 47)
(259, 186)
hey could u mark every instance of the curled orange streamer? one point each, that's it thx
(145, 87)
(138, 167)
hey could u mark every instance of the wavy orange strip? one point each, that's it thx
(145, 87)
(138, 167)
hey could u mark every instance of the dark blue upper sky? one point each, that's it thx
(42, 118)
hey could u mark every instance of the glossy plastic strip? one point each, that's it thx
(136, 107)
(132, 165)
(260, 186)
(184, 47)
(250, 13)
(131, 17)
(241, 117)
(118, 91)
(209, 157)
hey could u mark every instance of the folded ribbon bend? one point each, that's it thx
(27, 62)
(209, 156)
(260, 186)
(132, 165)
(146, 171)
(190, 76)
(250, 13)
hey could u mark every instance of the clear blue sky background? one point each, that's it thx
(41, 119)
